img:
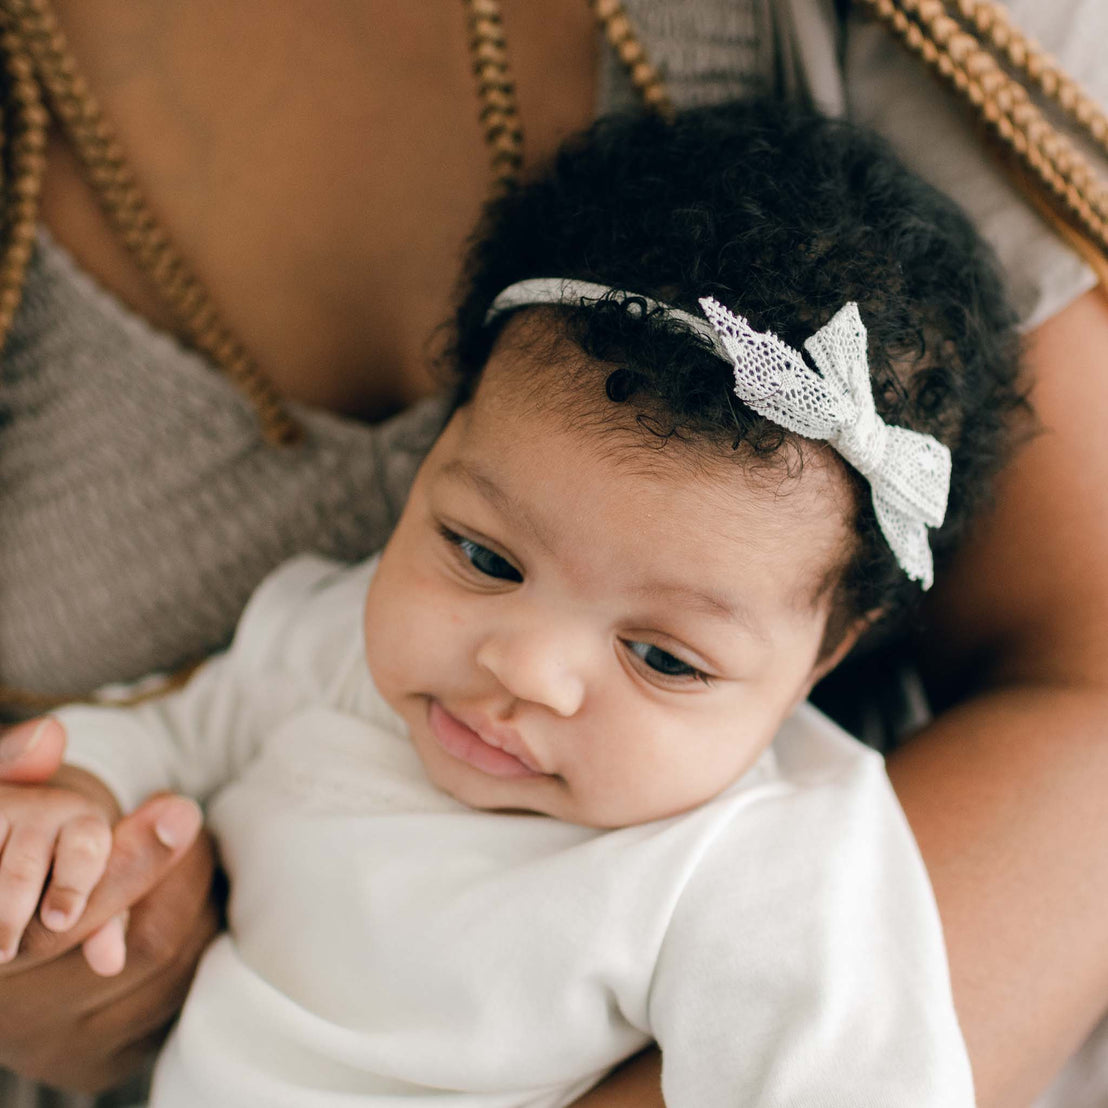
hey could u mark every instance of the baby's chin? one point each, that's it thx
(566, 810)
(494, 798)
(551, 796)
(489, 797)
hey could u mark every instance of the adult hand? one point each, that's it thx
(62, 1024)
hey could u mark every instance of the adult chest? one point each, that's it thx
(320, 162)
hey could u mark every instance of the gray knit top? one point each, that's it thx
(140, 505)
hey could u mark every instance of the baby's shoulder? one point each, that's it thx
(310, 607)
(811, 750)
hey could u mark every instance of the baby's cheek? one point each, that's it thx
(383, 639)
(401, 640)
(377, 661)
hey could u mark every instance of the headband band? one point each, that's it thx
(908, 472)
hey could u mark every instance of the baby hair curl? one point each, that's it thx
(782, 215)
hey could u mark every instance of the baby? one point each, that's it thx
(539, 785)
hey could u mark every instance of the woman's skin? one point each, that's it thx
(320, 163)
(1005, 791)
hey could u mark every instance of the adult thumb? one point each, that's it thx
(31, 752)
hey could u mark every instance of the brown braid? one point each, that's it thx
(1056, 176)
(1023, 54)
(23, 123)
(496, 90)
(631, 52)
(36, 55)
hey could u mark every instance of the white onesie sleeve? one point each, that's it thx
(804, 965)
(297, 633)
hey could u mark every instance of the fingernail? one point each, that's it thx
(178, 823)
(21, 740)
(55, 919)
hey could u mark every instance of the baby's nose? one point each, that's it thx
(538, 669)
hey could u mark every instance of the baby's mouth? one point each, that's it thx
(486, 754)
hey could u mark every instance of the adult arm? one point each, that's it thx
(1005, 791)
(59, 1022)
(636, 1084)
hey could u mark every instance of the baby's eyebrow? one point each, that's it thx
(503, 501)
(707, 602)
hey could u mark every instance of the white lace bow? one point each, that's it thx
(908, 472)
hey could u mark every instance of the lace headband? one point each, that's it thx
(908, 472)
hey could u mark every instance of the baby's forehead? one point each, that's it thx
(704, 497)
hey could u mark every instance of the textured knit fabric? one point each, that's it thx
(780, 942)
(141, 506)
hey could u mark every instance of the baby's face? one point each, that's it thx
(581, 625)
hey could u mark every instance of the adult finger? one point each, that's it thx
(105, 950)
(31, 752)
(146, 846)
(166, 932)
(159, 969)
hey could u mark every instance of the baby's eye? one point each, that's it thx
(488, 562)
(661, 661)
(484, 560)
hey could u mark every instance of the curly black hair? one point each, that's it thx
(783, 215)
